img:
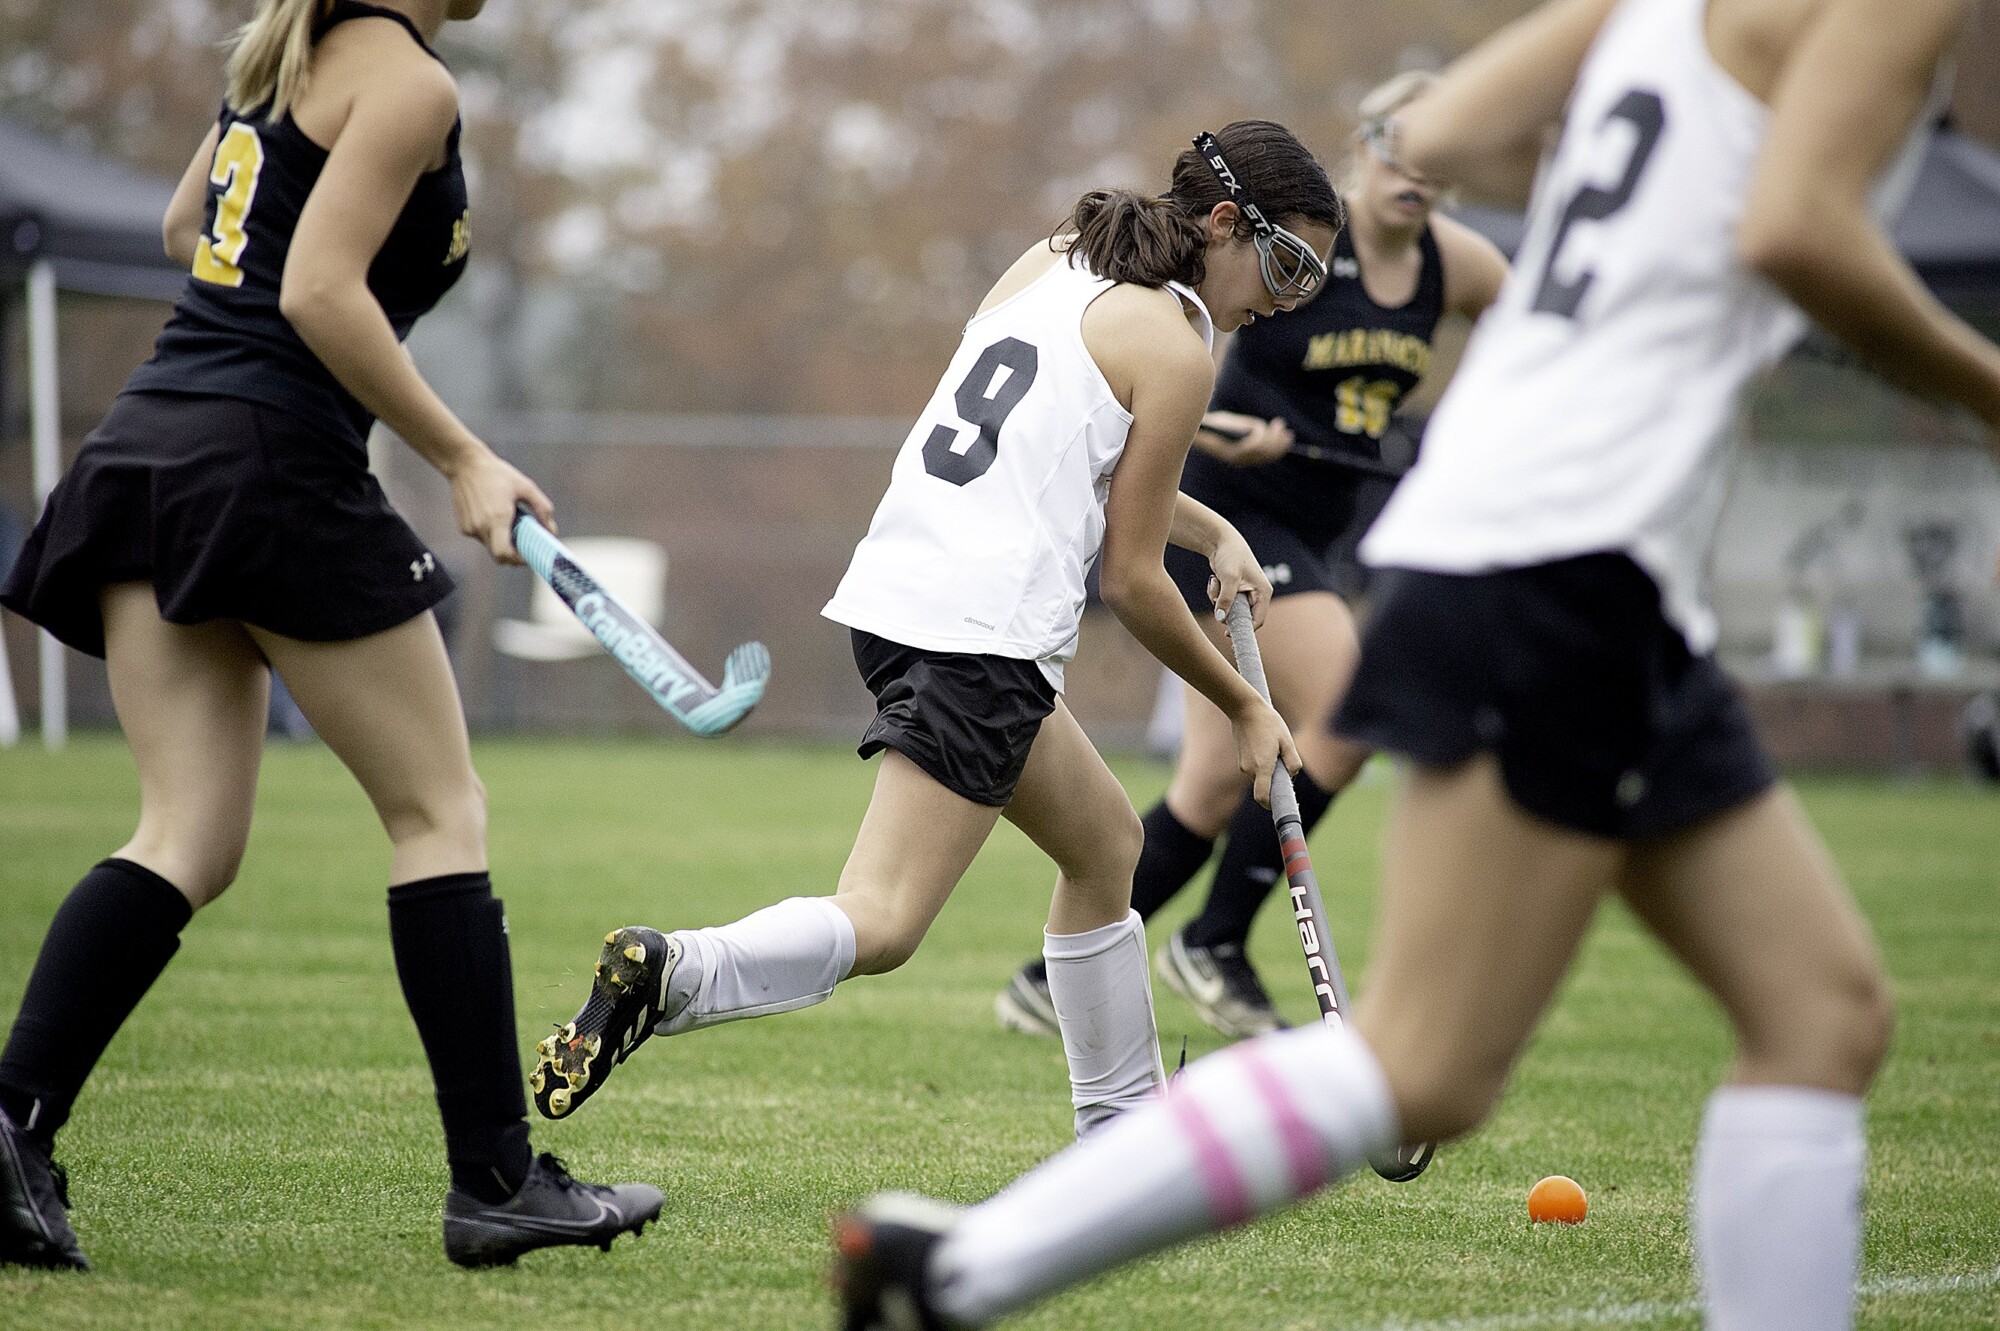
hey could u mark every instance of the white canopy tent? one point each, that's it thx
(69, 221)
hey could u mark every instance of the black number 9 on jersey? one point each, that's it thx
(985, 405)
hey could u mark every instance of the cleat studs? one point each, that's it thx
(559, 1101)
(636, 952)
(598, 969)
(611, 938)
(537, 1080)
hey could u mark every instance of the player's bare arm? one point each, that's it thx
(1481, 128)
(399, 109)
(1474, 267)
(1235, 566)
(180, 229)
(1161, 371)
(1841, 105)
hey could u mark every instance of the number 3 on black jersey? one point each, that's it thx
(239, 159)
(942, 456)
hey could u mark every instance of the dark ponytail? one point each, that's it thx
(1131, 237)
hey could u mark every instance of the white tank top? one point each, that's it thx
(1594, 401)
(995, 508)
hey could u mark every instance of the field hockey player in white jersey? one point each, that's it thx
(1057, 434)
(1542, 658)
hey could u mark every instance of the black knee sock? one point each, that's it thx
(450, 939)
(1250, 867)
(109, 941)
(1172, 855)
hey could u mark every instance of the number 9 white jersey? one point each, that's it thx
(1594, 399)
(995, 508)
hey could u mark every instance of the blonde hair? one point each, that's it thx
(1384, 99)
(271, 55)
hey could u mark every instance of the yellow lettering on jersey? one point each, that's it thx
(1368, 346)
(239, 160)
(461, 238)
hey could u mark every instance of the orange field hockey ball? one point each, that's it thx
(1557, 1199)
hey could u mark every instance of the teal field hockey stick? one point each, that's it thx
(647, 657)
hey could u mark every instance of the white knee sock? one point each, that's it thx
(1776, 1208)
(1245, 1131)
(1103, 997)
(774, 960)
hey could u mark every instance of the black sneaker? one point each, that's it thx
(551, 1209)
(1220, 983)
(34, 1205)
(628, 998)
(1024, 1005)
(880, 1250)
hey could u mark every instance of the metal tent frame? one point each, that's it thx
(69, 221)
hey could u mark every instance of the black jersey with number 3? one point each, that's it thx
(227, 337)
(1334, 370)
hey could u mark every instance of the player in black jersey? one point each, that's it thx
(221, 523)
(1291, 453)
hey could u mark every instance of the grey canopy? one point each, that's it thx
(95, 220)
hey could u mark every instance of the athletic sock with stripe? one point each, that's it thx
(110, 939)
(1243, 1132)
(450, 939)
(1776, 1208)
(1104, 1005)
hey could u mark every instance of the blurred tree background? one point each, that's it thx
(779, 205)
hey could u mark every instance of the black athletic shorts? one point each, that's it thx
(1602, 720)
(967, 720)
(232, 510)
(1292, 565)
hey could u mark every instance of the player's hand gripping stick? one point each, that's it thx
(1308, 909)
(638, 646)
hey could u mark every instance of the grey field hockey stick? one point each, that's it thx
(1308, 909)
(638, 646)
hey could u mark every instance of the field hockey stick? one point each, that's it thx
(1351, 461)
(638, 646)
(1308, 908)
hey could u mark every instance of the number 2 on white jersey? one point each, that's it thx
(239, 160)
(1647, 115)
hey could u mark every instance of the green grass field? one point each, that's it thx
(259, 1147)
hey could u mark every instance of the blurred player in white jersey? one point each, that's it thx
(1058, 430)
(1542, 658)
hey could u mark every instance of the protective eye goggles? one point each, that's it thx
(1292, 269)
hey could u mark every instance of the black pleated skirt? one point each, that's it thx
(232, 510)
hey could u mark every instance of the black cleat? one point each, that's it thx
(34, 1205)
(550, 1210)
(1221, 984)
(1025, 1006)
(881, 1250)
(628, 998)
